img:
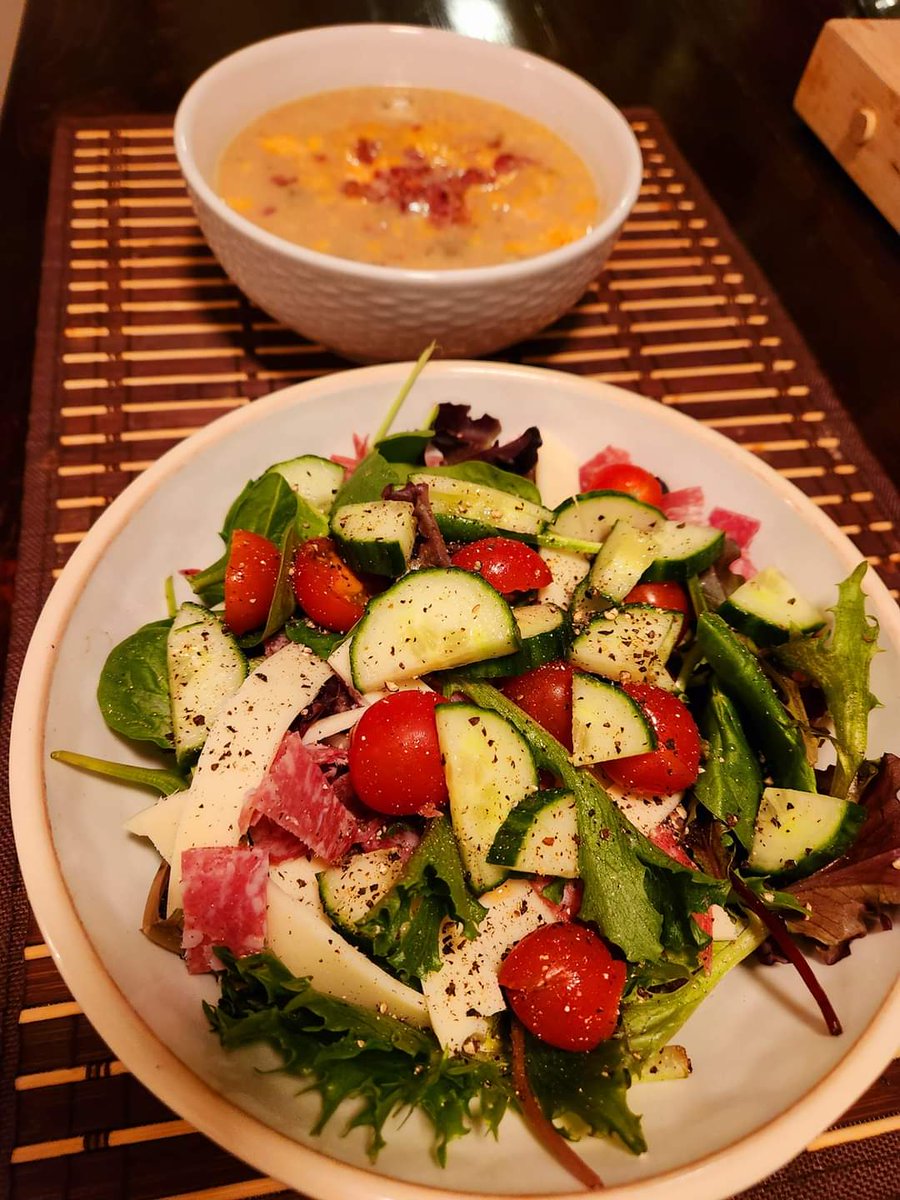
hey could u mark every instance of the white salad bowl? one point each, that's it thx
(766, 1076)
(374, 313)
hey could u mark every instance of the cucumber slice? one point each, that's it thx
(545, 633)
(625, 556)
(770, 610)
(206, 667)
(315, 479)
(798, 832)
(430, 620)
(683, 551)
(348, 892)
(606, 722)
(376, 538)
(489, 769)
(466, 511)
(629, 644)
(540, 836)
(590, 516)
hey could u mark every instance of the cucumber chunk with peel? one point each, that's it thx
(796, 833)
(606, 722)
(770, 610)
(376, 538)
(489, 769)
(430, 620)
(205, 667)
(540, 836)
(629, 644)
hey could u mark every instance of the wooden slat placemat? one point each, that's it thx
(143, 340)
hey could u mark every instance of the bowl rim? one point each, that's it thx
(738, 1164)
(551, 260)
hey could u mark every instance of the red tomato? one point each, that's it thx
(626, 477)
(545, 693)
(250, 577)
(564, 985)
(675, 763)
(395, 756)
(506, 564)
(326, 589)
(663, 595)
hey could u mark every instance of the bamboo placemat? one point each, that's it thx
(142, 341)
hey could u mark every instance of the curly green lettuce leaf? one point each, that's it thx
(586, 1093)
(404, 927)
(839, 661)
(351, 1053)
(651, 1020)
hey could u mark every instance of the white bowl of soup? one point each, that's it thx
(377, 187)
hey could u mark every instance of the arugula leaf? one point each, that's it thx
(731, 784)
(615, 891)
(320, 641)
(586, 1092)
(351, 1053)
(839, 662)
(651, 1021)
(404, 927)
(267, 506)
(841, 899)
(157, 779)
(133, 690)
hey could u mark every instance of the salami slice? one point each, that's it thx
(742, 530)
(684, 504)
(224, 903)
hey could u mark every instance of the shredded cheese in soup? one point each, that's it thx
(409, 177)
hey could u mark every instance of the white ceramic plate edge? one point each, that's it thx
(735, 1166)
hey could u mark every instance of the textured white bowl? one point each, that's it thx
(368, 312)
(766, 1076)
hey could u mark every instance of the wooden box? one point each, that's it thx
(850, 97)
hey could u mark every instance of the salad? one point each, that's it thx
(469, 802)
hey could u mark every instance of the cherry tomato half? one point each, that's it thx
(395, 756)
(675, 763)
(506, 564)
(545, 693)
(626, 477)
(326, 589)
(250, 576)
(564, 985)
(663, 595)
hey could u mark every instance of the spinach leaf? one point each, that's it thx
(157, 779)
(352, 1053)
(486, 475)
(369, 480)
(320, 641)
(310, 523)
(405, 447)
(266, 506)
(589, 1087)
(731, 784)
(133, 691)
(839, 662)
(282, 607)
(404, 927)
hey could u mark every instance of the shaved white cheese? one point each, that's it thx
(464, 993)
(309, 946)
(340, 664)
(646, 813)
(327, 727)
(298, 878)
(160, 823)
(240, 748)
(556, 474)
(568, 570)
(724, 929)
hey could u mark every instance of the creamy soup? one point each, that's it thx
(409, 177)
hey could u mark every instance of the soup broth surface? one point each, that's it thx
(409, 177)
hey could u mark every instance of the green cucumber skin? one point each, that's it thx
(772, 728)
(512, 833)
(815, 857)
(549, 646)
(770, 589)
(679, 570)
(629, 711)
(762, 632)
(464, 529)
(647, 512)
(372, 558)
